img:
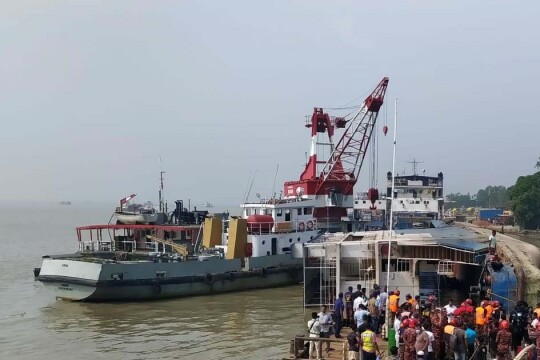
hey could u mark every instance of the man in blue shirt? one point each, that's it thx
(339, 307)
(470, 335)
(359, 315)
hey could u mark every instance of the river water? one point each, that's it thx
(33, 324)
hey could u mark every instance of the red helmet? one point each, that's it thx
(504, 324)
(405, 322)
(538, 325)
(413, 323)
(469, 301)
(496, 303)
(432, 298)
(483, 303)
(463, 304)
(397, 293)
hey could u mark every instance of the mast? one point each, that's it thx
(162, 207)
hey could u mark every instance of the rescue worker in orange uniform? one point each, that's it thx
(393, 304)
(481, 320)
(489, 310)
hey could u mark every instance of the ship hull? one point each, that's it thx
(81, 281)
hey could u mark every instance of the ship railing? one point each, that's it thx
(284, 227)
(95, 245)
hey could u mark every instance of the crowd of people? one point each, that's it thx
(425, 331)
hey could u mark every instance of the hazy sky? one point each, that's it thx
(92, 92)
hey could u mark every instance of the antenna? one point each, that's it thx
(274, 185)
(250, 185)
(162, 207)
(415, 165)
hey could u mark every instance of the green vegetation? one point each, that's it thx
(525, 201)
(490, 197)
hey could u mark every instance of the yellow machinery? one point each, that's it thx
(180, 249)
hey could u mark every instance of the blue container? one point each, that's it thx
(489, 214)
(504, 284)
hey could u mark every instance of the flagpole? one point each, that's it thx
(391, 222)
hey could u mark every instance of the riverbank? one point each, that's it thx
(523, 255)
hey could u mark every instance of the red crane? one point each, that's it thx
(333, 183)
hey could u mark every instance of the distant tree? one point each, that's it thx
(459, 200)
(537, 166)
(525, 201)
(493, 196)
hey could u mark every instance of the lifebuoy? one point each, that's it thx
(301, 226)
(156, 289)
(310, 225)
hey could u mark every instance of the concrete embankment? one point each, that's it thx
(525, 258)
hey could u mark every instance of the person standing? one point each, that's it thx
(325, 319)
(409, 340)
(422, 340)
(360, 315)
(314, 330)
(431, 354)
(504, 339)
(493, 242)
(374, 312)
(368, 342)
(354, 348)
(470, 335)
(460, 347)
(393, 303)
(339, 307)
(437, 329)
(450, 308)
(349, 308)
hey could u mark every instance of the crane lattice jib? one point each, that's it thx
(348, 156)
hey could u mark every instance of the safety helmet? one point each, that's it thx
(483, 303)
(463, 304)
(406, 322)
(504, 324)
(412, 323)
(432, 298)
(469, 301)
(496, 303)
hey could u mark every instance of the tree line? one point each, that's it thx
(523, 198)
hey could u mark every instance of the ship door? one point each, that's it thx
(274, 246)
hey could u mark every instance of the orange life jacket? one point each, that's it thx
(480, 316)
(393, 303)
(489, 310)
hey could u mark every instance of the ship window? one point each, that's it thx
(290, 240)
(298, 239)
(363, 202)
(117, 276)
(299, 211)
(356, 202)
(308, 211)
(161, 274)
(279, 212)
(418, 201)
(287, 215)
(263, 242)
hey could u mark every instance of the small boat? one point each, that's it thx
(65, 202)
(128, 213)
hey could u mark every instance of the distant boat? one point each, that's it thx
(65, 202)
(207, 205)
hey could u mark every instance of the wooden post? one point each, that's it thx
(345, 357)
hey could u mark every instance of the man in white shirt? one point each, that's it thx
(314, 329)
(431, 341)
(359, 300)
(325, 319)
(359, 315)
(493, 242)
(450, 308)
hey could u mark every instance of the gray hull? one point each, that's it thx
(84, 281)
